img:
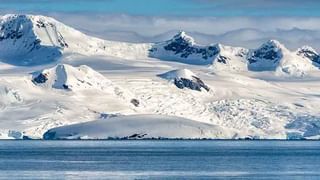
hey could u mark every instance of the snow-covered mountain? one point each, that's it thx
(184, 78)
(123, 79)
(29, 40)
(183, 48)
(310, 54)
(270, 56)
(69, 78)
(33, 40)
(274, 56)
(267, 57)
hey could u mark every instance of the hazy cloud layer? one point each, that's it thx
(245, 23)
(240, 31)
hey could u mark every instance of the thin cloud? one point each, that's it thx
(239, 31)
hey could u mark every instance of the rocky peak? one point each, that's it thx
(182, 37)
(29, 27)
(269, 51)
(309, 52)
(183, 46)
(184, 78)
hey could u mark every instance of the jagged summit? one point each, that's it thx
(185, 78)
(15, 27)
(274, 56)
(182, 36)
(183, 48)
(29, 40)
(274, 43)
(306, 48)
(267, 56)
(309, 53)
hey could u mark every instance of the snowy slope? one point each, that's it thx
(67, 77)
(138, 127)
(230, 59)
(63, 76)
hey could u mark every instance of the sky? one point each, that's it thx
(245, 23)
(171, 7)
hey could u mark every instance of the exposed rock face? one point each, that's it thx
(266, 57)
(81, 79)
(63, 76)
(310, 53)
(195, 84)
(43, 24)
(41, 78)
(29, 40)
(183, 47)
(185, 78)
(135, 102)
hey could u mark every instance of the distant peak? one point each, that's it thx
(306, 48)
(274, 43)
(218, 46)
(19, 17)
(309, 52)
(182, 35)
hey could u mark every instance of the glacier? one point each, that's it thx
(55, 78)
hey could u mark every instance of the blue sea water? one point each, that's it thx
(159, 159)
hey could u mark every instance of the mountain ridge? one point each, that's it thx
(32, 40)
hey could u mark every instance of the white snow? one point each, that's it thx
(67, 77)
(274, 95)
(276, 57)
(183, 48)
(230, 59)
(138, 127)
(186, 37)
(63, 76)
(178, 73)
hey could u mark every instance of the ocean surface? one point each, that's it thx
(137, 159)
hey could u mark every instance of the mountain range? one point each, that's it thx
(54, 75)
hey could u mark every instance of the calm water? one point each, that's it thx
(159, 159)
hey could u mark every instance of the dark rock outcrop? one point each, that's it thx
(309, 53)
(195, 84)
